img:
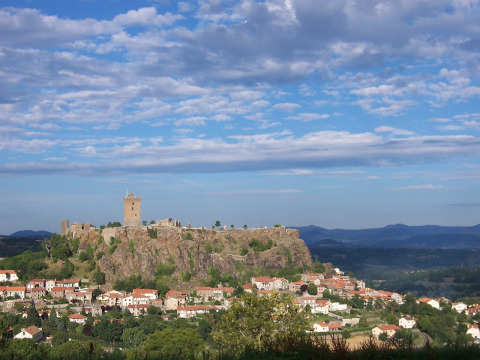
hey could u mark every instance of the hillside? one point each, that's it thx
(394, 236)
(31, 234)
(191, 253)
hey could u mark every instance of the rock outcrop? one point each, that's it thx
(138, 250)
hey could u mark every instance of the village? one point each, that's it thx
(325, 299)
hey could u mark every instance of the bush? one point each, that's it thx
(258, 246)
(165, 270)
(152, 233)
(99, 277)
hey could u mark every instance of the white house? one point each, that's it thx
(390, 330)
(303, 301)
(432, 302)
(50, 284)
(77, 318)
(187, 312)
(474, 331)
(152, 294)
(320, 326)
(138, 310)
(8, 275)
(321, 307)
(266, 283)
(459, 307)
(13, 291)
(407, 322)
(335, 306)
(31, 332)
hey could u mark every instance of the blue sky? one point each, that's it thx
(341, 113)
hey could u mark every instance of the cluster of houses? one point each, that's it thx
(208, 299)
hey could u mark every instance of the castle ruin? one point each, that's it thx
(131, 217)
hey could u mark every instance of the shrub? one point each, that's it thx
(165, 270)
(152, 233)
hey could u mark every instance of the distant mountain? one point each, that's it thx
(394, 236)
(31, 234)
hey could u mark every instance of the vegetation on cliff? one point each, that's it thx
(160, 257)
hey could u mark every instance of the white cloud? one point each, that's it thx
(289, 107)
(308, 117)
(394, 131)
(421, 187)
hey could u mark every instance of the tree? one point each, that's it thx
(115, 330)
(152, 310)
(87, 330)
(326, 294)
(184, 343)
(245, 227)
(99, 277)
(217, 223)
(238, 291)
(96, 293)
(59, 338)
(22, 349)
(32, 316)
(144, 222)
(358, 302)
(133, 337)
(254, 322)
(232, 226)
(312, 289)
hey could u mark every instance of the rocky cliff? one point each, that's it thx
(139, 250)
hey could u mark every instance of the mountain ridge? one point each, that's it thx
(394, 236)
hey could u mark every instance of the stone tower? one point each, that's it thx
(64, 227)
(131, 210)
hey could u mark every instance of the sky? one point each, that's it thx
(336, 113)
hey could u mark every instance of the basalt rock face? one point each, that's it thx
(137, 250)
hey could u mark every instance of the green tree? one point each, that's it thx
(77, 350)
(217, 223)
(184, 343)
(256, 321)
(32, 316)
(99, 277)
(358, 302)
(59, 338)
(152, 310)
(245, 227)
(133, 337)
(24, 349)
(312, 289)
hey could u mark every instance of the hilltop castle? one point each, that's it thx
(131, 217)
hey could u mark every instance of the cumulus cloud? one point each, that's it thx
(253, 64)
